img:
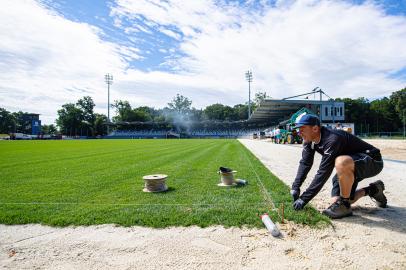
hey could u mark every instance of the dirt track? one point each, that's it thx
(391, 149)
(373, 239)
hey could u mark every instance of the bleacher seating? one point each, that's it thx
(138, 134)
(200, 133)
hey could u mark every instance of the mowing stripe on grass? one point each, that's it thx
(100, 182)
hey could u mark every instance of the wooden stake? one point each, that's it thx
(283, 213)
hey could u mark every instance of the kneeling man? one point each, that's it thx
(353, 159)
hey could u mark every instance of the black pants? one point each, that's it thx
(365, 167)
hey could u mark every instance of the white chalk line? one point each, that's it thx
(134, 204)
(267, 196)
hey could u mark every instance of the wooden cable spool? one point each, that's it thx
(155, 183)
(227, 178)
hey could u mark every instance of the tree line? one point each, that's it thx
(387, 114)
(79, 119)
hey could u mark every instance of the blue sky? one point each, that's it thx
(55, 52)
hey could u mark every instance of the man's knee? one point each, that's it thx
(344, 164)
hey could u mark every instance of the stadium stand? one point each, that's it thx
(202, 129)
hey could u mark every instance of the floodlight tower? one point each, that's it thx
(108, 78)
(248, 76)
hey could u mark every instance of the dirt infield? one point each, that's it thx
(373, 239)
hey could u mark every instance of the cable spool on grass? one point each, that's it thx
(227, 179)
(155, 183)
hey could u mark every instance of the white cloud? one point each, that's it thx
(170, 33)
(347, 50)
(42, 54)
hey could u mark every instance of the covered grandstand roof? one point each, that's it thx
(276, 110)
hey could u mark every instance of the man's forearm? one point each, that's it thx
(301, 175)
(316, 185)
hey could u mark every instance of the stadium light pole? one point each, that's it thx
(248, 76)
(109, 81)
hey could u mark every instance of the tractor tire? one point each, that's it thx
(290, 139)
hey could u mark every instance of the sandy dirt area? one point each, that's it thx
(391, 149)
(373, 238)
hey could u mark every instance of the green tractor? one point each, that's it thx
(291, 137)
(290, 134)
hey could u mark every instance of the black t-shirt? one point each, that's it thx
(333, 143)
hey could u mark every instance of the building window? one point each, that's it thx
(341, 111)
(326, 111)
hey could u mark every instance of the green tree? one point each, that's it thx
(241, 111)
(100, 126)
(70, 119)
(180, 104)
(398, 99)
(87, 105)
(214, 112)
(220, 112)
(146, 112)
(124, 111)
(384, 114)
(48, 129)
(196, 115)
(8, 122)
(142, 114)
(159, 118)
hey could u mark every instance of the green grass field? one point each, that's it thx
(100, 181)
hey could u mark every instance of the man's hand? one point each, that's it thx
(299, 204)
(295, 194)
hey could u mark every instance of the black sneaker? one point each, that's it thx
(338, 210)
(378, 196)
